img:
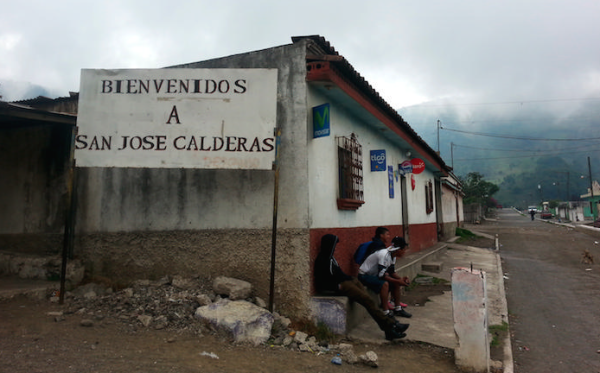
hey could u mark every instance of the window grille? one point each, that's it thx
(350, 171)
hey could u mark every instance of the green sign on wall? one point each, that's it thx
(321, 124)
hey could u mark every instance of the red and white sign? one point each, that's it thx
(418, 165)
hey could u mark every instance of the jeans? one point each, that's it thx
(357, 292)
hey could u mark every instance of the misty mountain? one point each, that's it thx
(534, 150)
(16, 91)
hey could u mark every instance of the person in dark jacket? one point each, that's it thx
(331, 279)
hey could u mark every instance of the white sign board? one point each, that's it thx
(177, 118)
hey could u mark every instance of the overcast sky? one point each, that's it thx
(410, 51)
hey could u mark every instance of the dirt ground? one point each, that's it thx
(33, 340)
(41, 336)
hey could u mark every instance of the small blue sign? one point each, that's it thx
(321, 123)
(378, 162)
(391, 180)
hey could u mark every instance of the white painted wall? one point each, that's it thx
(379, 208)
(448, 205)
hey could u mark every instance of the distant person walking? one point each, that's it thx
(532, 213)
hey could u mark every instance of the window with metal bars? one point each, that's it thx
(429, 197)
(350, 173)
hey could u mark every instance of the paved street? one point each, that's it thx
(553, 298)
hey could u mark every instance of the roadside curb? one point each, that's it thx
(508, 357)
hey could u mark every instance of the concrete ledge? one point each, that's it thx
(435, 267)
(332, 311)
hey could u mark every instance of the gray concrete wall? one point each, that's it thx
(147, 223)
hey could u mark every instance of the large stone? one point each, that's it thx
(233, 288)
(243, 321)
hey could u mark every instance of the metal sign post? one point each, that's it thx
(70, 219)
(275, 204)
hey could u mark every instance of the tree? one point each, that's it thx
(476, 189)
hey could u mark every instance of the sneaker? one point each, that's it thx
(392, 334)
(401, 328)
(403, 304)
(402, 313)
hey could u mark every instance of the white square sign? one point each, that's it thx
(177, 118)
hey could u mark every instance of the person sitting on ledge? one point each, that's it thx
(330, 278)
(378, 271)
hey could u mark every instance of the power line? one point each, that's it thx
(579, 119)
(514, 102)
(525, 156)
(522, 150)
(515, 137)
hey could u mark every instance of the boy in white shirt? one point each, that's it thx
(378, 273)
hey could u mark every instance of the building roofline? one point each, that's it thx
(357, 87)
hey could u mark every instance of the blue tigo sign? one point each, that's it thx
(321, 125)
(378, 160)
(391, 180)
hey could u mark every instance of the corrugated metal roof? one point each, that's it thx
(17, 115)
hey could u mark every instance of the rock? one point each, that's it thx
(161, 322)
(75, 273)
(235, 289)
(300, 337)
(260, 302)
(287, 340)
(203, 300)
(304, 348)
(86, 323)
(370, 359)
(183, 283)
(90, 295)
(90, 291)
(283, 321)
(345, 347)
(350, 357)
(141, 283)
(145, 320)
(496, 366)
(243, 321)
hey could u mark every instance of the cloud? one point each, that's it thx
(409, 51)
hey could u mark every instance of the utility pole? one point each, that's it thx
(591, 191)
(452, 154)
(439, 124)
